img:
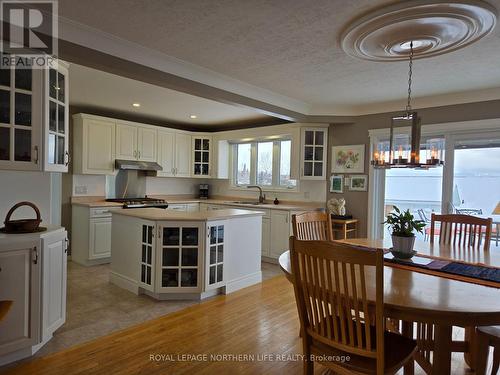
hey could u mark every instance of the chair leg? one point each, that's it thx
(496, 361)
(481, 360)
(308, 363)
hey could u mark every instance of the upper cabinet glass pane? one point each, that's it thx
(60, 87)
(53, 83)
(5, 106)
(23, 109)
(5, 77)
(4, 143)
(319, 138)
(309, 137)
(22, 145)
(53, 120)
(206, 144)
(60, 118)
(197, 144)
(23, 79)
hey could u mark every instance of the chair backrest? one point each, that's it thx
(314, 225)
(331, 283)
(462, 230)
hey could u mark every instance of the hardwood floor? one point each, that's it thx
(254, 322)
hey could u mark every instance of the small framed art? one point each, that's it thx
(358, 183)
(337, 184)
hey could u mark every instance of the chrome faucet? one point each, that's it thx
(262, 196)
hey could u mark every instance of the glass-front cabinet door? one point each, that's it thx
(314, 141)
(214, 272)
(147, 271)
(202, 147)
(180, 257)
(56, 118)
(20, 117)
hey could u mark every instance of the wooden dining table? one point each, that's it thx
(412, 296)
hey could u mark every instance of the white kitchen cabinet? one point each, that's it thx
(20, 281)
(202, 153)
(177, 207)
(91, 243)
(280, 232)
(174, 154)
(135, 142)
(220, 159)
(33, 276)
(126, 141)
(56, 118)
(313, 153)
(146, 144)
(214, 255)
(180, 257)
(54, 282)
(34, 119)
(182, 155)
(93, 145)
(266, 236)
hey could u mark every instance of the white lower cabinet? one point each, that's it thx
(214, 255)
(266, 236)
(100, 238)
(33, 276)
(91, 234)
(20, 281)
(54, 280)
(180, 257)
(280, 232)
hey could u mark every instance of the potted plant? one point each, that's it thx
(403, 226)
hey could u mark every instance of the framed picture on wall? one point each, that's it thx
(348, 159)
(358, 183)
(336, 184)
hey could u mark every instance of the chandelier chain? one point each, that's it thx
(410, 73)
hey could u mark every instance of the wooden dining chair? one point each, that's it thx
(314, 225)
(462, 230)
(333, 283)
(486, 337)
(465, 232)
(4, 308)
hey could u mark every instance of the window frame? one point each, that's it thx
(276, 165)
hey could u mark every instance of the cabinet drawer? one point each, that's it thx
(101, 212)
(177, 207)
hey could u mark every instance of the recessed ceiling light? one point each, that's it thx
(193, 116)
(137, 105)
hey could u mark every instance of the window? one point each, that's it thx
(266, 163)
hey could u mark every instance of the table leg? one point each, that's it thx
(442, 350)
(407, 331)
(471, 339)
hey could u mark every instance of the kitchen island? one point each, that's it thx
(185, 255)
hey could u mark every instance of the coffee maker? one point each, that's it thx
(203, 191)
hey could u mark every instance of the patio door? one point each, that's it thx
(476, 175)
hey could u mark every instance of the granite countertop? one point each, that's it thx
(156, 214)
(227, 201)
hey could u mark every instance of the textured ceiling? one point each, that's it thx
(93, 89)
(290, 47)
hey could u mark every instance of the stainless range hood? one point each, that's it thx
(137, 165)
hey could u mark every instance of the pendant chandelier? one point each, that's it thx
(398, 155)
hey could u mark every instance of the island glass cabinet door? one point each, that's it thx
(147, 270)
(214, 272)
(180, 257)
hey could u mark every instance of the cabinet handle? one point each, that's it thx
(66, 241)
(35, 255)
(208, 232)
(139, 153)
(66, 158)
(135, 154)
(36, 154)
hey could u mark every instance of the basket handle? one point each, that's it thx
(20, 204)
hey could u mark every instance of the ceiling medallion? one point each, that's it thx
(434, 27)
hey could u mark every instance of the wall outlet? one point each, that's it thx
(81, 189)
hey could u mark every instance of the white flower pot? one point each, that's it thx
(403, 244)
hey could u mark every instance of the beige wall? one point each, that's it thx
(357, 133)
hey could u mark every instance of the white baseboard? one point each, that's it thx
(124, 282)
(243, 282)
